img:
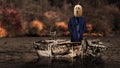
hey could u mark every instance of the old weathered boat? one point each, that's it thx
(62, 48)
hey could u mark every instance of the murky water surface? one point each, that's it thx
(19, 53)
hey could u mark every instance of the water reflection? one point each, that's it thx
(65, 63)
(61, 63)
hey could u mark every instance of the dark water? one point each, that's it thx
(21, 54)
(61, 63)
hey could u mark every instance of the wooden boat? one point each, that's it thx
(62, 48)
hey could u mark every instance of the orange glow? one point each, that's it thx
(61, 25)
(37, 24)
(3, 32)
